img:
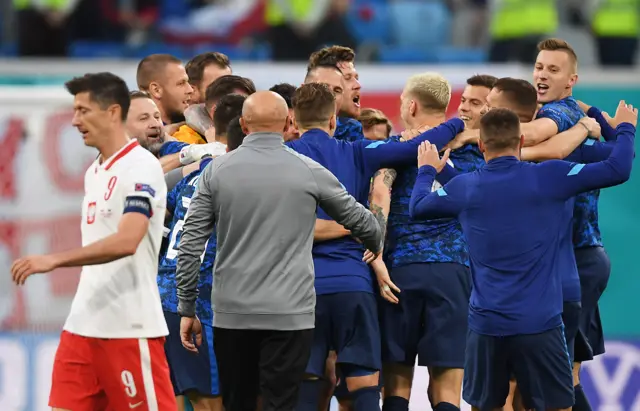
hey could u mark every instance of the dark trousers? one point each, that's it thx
(522, 50)
(269, 364)
(617, 51)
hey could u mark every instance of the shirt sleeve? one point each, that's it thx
(144, 189)
(592, 151)
(556, 113)
(198, 227)
(608, 132)
(171, 147)
(391, 154)
(563, 179)
(447, 173)
(447, 201)
(334, 200)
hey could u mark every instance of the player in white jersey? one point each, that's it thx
(111, 352)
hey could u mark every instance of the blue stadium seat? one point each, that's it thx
(174, 8)
(183, 53)
(447, 55)
(97, 49)
(419, 24)
(373, 30)
(407, 55)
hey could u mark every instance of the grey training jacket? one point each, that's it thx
(262, 199)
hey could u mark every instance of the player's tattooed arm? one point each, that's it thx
(380, 195)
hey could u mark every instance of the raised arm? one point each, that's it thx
(560, 146)
(197, 229)
(566, 179)
(608, 132)
(389, 154)
(426, 204)
(344, 209)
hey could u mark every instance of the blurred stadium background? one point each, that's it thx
(42, 161)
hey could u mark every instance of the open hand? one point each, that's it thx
(25, 267)
(625, 113)
(428, 156)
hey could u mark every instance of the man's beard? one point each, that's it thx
(152, 145)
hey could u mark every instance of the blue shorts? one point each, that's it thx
(539, 362)
(430, 321)
(190, 371)
(594, 268)
(348, 324)
(571, 320)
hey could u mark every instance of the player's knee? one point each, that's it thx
(398, 379)
(446, 384)
(358, 377)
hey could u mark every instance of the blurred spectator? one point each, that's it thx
(115, 20)
(517, 26)
(43, 26)
(297, 28)
(616, 25)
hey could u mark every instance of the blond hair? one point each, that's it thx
(430, 90)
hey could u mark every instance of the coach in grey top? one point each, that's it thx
(262, 199)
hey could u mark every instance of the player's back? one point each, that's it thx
(417, 240)
(514, 232)
(338, 263)
(120, 299)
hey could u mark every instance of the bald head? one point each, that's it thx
(264, 111)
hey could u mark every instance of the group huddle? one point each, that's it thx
(480, 258)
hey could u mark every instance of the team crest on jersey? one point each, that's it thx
(91, 212)
(146, 188)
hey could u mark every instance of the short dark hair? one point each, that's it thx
(313, 104)
(286, 91)
(331, 55)
(196, 66)
(227, 85)
(371, 117)
(482, 80)
(554, 44)
(311, 70)
(150, 67)
(228, 107)
(105, 89)
(500, 130)
(521, 94)
(136, 94)
(235, 135)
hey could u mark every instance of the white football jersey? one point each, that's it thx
(120, 299)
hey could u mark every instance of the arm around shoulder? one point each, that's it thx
(344, 209)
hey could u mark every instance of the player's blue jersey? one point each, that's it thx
(178, 201)
(420, 241)
(586, 232)
(171, 147)
(348, 129)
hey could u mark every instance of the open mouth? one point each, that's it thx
(542, 88)
(465, 118)
(356, 101)
(83, 132)
(153, 133)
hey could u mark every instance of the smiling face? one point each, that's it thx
(472, 105)
(554, 75)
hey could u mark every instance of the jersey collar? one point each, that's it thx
(108, 163)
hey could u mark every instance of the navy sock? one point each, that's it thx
(309, 395)
(582, 403)
(395, 404)
(366, 399)
(445, 406)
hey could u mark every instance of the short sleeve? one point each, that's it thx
(144, 188)
(559, 114)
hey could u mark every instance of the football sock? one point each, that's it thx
(366, 399)
(395, 404)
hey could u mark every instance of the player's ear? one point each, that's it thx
(333, 123)
(287, 124)
(573, 80)
(155, 90)
(521, 141)
(413, 107)
(115, 111)
(481, 146)
(243, 125)
(213, 110)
